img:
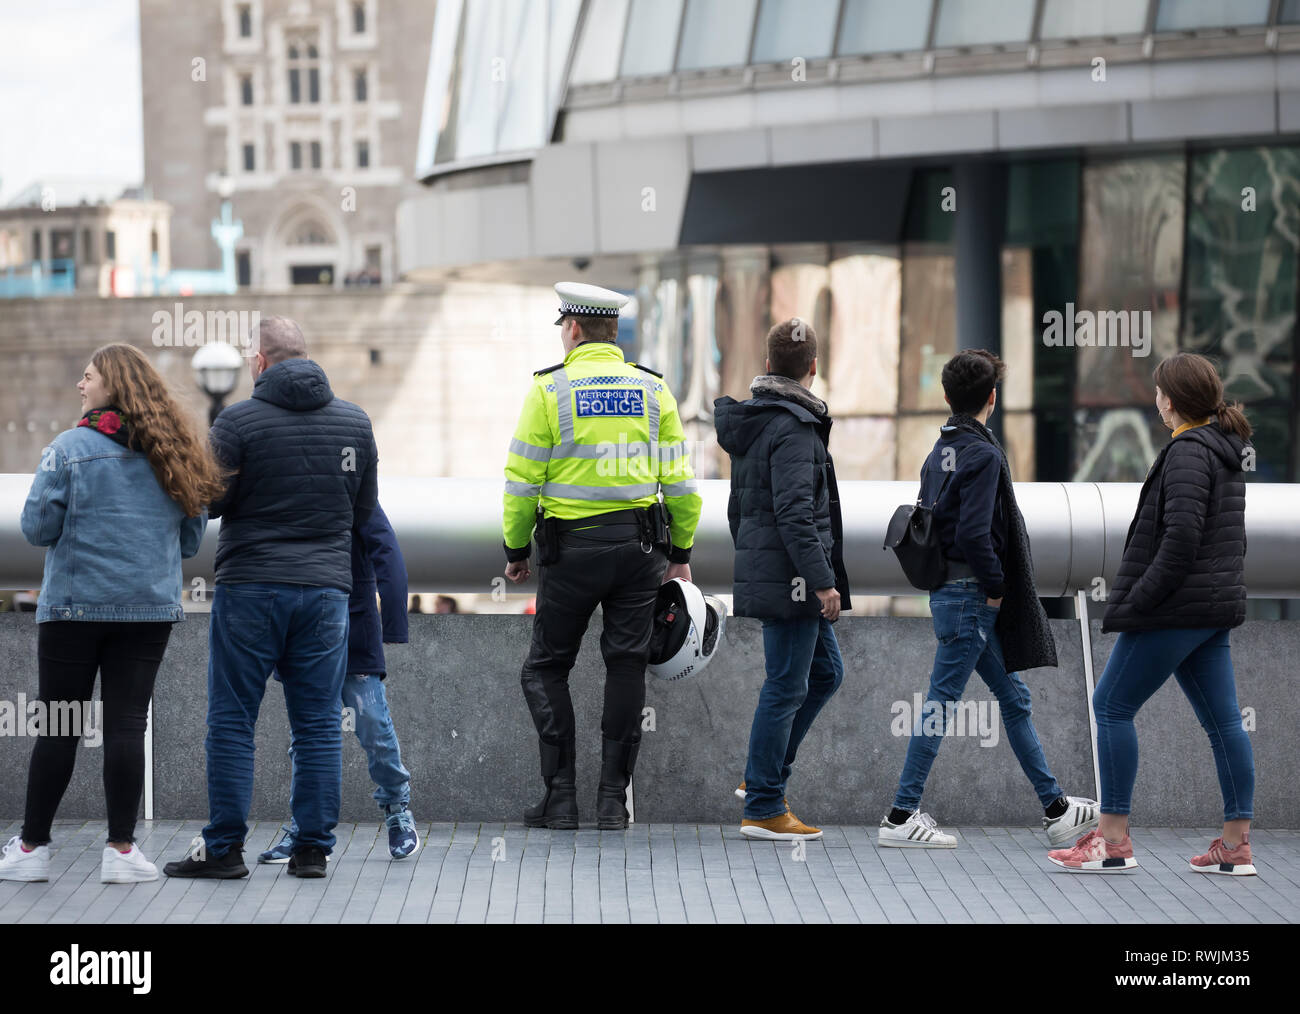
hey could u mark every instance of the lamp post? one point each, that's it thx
(227, 232)
(216, 369)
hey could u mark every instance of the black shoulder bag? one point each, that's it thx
(912, 537)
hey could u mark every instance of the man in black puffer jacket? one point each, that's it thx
(785, 522)
(305, 469)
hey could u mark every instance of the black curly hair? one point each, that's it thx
(969, 377)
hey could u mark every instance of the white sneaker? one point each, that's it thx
(17, 864)
(919, 831)
(126, 867)
(1080, 817)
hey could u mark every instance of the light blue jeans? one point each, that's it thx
(964, 626)
(374, 727)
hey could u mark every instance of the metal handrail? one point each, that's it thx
(450, 534)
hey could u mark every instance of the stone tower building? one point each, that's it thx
(305, 112)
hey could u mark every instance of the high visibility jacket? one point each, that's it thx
(598, 434)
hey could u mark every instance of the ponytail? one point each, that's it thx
(1194, 389)
(1232, 419)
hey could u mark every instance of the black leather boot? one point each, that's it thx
(559, 807)
(617, 760)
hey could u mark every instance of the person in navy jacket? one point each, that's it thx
(377, 567)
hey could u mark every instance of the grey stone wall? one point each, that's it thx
(469, 742)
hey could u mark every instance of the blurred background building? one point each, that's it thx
(410, 178)
(97, 237)
(910, 177)
(306, 111)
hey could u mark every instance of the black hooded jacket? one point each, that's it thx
(307, 468)
(1184, 557)
(784, 508)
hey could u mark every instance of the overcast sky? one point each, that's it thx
(69, 92)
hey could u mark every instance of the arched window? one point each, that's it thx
(309, 232)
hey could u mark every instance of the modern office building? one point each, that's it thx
(912, 178)
(305, 112)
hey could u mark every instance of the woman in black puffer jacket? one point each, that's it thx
(1179, 591)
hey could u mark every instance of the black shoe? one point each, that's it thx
(200, 864)
(617, 761)
(559, 807)
(308, 861)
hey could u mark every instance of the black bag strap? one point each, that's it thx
(942, 486)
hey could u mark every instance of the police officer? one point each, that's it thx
(597, 442)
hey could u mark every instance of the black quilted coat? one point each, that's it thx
(784, 508)
(306, 463)
(1185, 553)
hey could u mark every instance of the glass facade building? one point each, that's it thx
(1150, 229)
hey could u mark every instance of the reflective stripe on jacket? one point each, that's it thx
(598, 434)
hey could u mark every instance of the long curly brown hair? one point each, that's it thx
(182, 463)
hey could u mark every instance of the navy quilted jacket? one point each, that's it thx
(306, 472)
(1185, 553)
(377, 567)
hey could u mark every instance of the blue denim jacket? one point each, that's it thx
(115, 538)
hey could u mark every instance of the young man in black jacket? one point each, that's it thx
(979, 527)
(784, 515)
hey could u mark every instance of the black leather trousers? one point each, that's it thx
(603, 566)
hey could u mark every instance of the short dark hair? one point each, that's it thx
(969, 378)
(791, 348)
(597, 329)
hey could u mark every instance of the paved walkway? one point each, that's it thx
(667, 873)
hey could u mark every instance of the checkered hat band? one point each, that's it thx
(580, 310)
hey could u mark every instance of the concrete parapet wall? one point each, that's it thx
(469, 742)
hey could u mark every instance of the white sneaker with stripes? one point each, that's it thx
(1080, 817)
(919, 831)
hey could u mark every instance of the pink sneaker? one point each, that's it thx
(1094, 854)
(1229, 862)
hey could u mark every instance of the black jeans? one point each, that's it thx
(127, 656)
(597, 566)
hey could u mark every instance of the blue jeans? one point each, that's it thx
(1138, 666)
(964, 627)
(302, 632)
(365, 696)
(804, 670)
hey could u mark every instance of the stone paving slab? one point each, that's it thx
(663, 873)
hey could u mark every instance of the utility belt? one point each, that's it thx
(653, 529)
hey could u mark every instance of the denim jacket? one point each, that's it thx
(115, 538)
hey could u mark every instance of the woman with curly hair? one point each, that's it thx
(118, 500)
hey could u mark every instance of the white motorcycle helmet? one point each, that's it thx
(688, 628)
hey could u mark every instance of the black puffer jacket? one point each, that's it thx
(1184, 557)
(307, 465)
(784, 509)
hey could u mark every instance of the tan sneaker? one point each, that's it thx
(740, 794)
(786, 827)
